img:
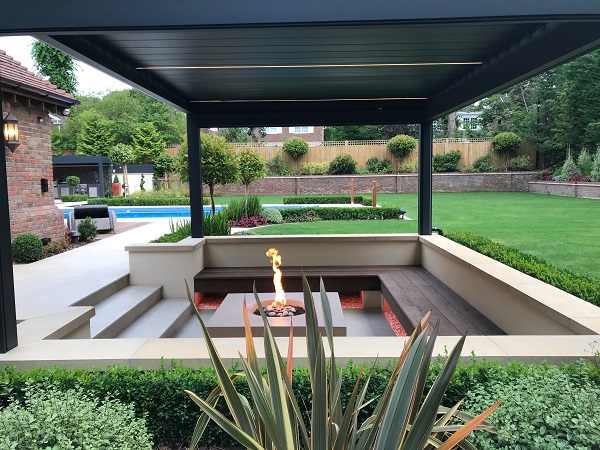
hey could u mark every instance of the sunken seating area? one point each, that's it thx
(105, 219)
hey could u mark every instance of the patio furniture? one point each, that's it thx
(104, 218)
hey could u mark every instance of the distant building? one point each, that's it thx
(278, 135)
(469, 120)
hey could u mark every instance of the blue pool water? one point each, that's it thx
(150, 212)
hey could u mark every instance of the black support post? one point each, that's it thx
(425, 177)
(195, 176)
(8, 314)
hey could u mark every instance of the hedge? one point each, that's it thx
(325, 199)
(582, 286)
(73, 198)
(144, 201)
(341, 213)
(171, 415)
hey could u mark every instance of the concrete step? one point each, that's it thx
(118, 311)
(162, 319)
(104, 292)
(191, 328)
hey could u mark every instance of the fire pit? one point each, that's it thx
(283, 311)
(228, 320)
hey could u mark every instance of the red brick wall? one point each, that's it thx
(386, 184)
(30, 210)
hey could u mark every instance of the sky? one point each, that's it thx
(89, 80)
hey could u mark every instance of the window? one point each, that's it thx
(302, 130)
(273, 130)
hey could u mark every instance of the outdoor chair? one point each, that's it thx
(104, 219)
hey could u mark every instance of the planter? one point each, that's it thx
(116, 189)
(567, 189)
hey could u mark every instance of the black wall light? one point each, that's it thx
(11, 132)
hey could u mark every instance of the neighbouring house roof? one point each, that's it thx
(15, 77)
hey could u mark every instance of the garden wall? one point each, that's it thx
(386, 184)
(361, 151)
(583, 190)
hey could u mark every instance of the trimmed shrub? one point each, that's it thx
(412, 167)
(520, 163)
(73, 181)
(401, 145)
(342, 165)
(27, 248)
(484, 164)
(314, 168)
(506, 142)
(272, 215)
(144, 201)
(570, 169)
(173, 417)
(376, 165)
(325, 199)
(595, 172)
(340, 213)
(295, 147)
(582, 286)
(50, 419)
(88, 229)
(447, 162)
(584, 162)
(73, 198)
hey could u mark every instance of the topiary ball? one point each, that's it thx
(26, 248)
(295, 147)
(401, 145)
(272, 215)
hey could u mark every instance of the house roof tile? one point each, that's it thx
(13, 72)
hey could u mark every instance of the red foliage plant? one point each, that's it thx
(580, 179)
(249, 222)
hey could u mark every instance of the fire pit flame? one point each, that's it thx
(275, 259)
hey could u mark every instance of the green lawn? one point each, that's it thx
(562, 230)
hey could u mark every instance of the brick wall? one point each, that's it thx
(316, 136)
(583, 190)
(30, 210)
(386, 184)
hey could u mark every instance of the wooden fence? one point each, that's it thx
(361, 151)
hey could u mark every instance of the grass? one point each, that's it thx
(562, 230)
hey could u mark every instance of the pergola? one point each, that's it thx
(316, 62)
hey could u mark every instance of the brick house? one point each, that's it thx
(30, 99)
(278, 135)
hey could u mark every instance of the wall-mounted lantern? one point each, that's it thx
(11, 132)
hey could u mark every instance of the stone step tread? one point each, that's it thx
(159, 319)
(191, 328)
(115, 309)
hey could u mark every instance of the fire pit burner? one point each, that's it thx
(275, 310)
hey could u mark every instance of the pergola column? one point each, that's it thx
(8, 314)
(425, 177)
(195, 176)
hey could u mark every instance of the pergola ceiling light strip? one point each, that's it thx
(312, 100)
(312, 66)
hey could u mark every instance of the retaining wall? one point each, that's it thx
(386, 184)
(583, 190)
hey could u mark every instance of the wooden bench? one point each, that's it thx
(410, 291)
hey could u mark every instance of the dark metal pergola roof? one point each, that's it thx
(315, 62)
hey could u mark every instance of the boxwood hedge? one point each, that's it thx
(325, 199)
(341, 213)
(144, 201)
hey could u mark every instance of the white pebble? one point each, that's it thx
(272, 314)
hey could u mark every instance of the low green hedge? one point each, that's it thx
(73, 198)
(341, 213)
(144, 201)
(582, 286)
(171, 415)
(325, 199)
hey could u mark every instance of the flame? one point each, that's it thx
(275, 259)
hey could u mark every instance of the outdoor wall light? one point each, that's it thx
(11, 132)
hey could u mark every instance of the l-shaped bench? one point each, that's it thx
(410, 291)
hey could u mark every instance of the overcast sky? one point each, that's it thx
(89, 80)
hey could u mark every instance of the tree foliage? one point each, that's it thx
(95, 138)
(55, 65)
(121, 154)
(219, 165)
(252, 167)
(295, 147)
(235, 135)
(148, 144)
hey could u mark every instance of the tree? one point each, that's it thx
(163, 163)
(54, 64)
(94, 139)
(237, 135)
(147, 143)
(219, 165)
(121, 154)
(252, 167)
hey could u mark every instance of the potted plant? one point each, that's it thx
(116, 187)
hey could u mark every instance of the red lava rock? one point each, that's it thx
(351, 301)
(394, 324)
(211, 301)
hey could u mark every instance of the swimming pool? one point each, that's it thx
(152, 212)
